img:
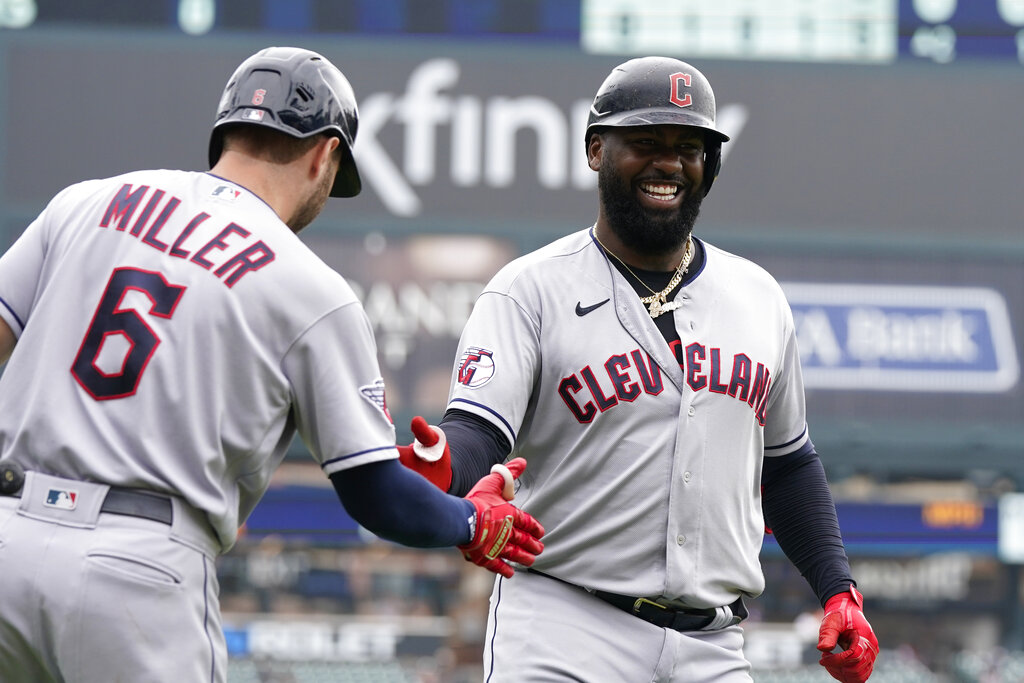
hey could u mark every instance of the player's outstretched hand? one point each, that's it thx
(844, 624)
(428, 454)
(504, 533)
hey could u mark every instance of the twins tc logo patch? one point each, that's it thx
(476, 367)
(374, 393)
(63, 499)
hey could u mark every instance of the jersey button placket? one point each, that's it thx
(681, 533)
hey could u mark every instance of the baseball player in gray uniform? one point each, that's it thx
(166, 334)
(653, 383)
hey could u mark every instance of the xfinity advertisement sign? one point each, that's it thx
(488, 136)
(451, 133)
(904, 338)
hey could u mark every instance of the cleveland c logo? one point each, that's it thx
(675, 98)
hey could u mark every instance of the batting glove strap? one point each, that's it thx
(844, 624)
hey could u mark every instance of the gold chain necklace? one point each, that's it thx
(657, 301)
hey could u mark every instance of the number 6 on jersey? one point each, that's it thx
(110, 319)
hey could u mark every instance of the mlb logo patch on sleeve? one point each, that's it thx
(64, 499)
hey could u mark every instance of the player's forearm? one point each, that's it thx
(399, 505)
(798, 507)
(475, 446)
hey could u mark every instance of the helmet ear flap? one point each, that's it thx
(712, 161)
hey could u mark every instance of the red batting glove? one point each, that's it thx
(428, 454)
(503, 531)
(844, 624)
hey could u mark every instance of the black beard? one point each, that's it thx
(642, 230)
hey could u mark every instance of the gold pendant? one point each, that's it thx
(655, 308)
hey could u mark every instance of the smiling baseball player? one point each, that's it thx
(653, 383)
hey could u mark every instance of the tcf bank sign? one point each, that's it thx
(904, 338)
(482, 136)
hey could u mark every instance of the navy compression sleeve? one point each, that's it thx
(399, 505)
(799, 509)
(475, 446)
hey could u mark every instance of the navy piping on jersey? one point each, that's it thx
(355, 455)
(206, 619)
(494, 635)
(499, 417)
(8, 307)
(791, 441)
(691, 276)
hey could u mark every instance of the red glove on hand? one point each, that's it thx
(503, 531)
(428, 454)
(844, 624)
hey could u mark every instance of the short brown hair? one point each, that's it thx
(268, 144)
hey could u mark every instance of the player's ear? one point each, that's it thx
(323, 154)
(594, 150)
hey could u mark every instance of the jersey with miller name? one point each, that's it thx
(173, 335)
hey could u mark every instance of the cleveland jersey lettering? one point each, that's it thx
(742, 381)
(629, 375)
(745, 382)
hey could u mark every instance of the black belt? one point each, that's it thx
(138, 503)
(678, 619)
(119, 501)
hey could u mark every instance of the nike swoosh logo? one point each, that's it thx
(581, 311)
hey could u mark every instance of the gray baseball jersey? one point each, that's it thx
(180, 301)
(644, 460)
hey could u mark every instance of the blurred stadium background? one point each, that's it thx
(875, 169)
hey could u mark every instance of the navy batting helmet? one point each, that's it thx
(297, 92)
(650, 91)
